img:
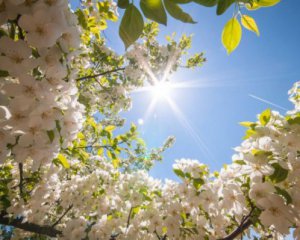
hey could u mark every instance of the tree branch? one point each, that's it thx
(245, 224)
(21, 179)
(62, 216)
(129, 215)
(100, 74)
(238, 231)
(30, 227)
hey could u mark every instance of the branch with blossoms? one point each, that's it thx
(244, 225)
(100, 74)
(30, 227)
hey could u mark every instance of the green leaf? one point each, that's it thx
(250, 132)
(240, 162)
(223, 5)
(280, 174)
(267, 3)
(116, 162)
(179, 173)
(284, 194)
(81, 18)
(181, 1)
(2, 33)
(265, 117)
(135, 211)
(123, 3)
(154, 10)
(100, 151)
(206, 3)
(295, 120)
(258, 153)
(4, 73)
(51, 135)
(132, 25)
(198, 182)
(110, 128)
(251, 125)
(176, 12)
(231, 35)
(63, 160)
(250, 24)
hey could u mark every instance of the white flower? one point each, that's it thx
(50, 62)
(45, 116)
(276, 214)
(234, 199)
(41, 31)
(4, 113)
(17, 59)
(261, 190)
(70, 39)
(27, 88)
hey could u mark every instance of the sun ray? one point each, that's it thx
(150, 109)
(188, 127)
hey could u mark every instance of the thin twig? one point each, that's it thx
(62, 216)
(100, 74)
(129, 216)
(21, 179)
(157, 235)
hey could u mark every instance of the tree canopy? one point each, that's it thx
(67, 174)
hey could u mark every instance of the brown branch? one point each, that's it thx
(238, 231)
(245, 224)
(62, 216)
(158, 237)
(21, 179)
(30, 227)
(129, 216)
(100, 74)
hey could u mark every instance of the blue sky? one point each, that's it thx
(264, 66)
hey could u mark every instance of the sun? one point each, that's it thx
(161, 89)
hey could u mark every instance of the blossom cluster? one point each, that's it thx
(262, 183)
(41, 112)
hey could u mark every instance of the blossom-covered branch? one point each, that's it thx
(30, 227)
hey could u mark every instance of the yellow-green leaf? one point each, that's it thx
(261, 3)
(100, 151)
(267, 3)
(110, 128)
(247, 124)
(231, 35)
(63, 160)
(109, 155)
(154, 10)
(116, 162)
(265, 117)
(176, 12)
(250, 24)
(131, 26)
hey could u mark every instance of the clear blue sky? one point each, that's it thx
(264, 66)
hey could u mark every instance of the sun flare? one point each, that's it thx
(161, 90)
